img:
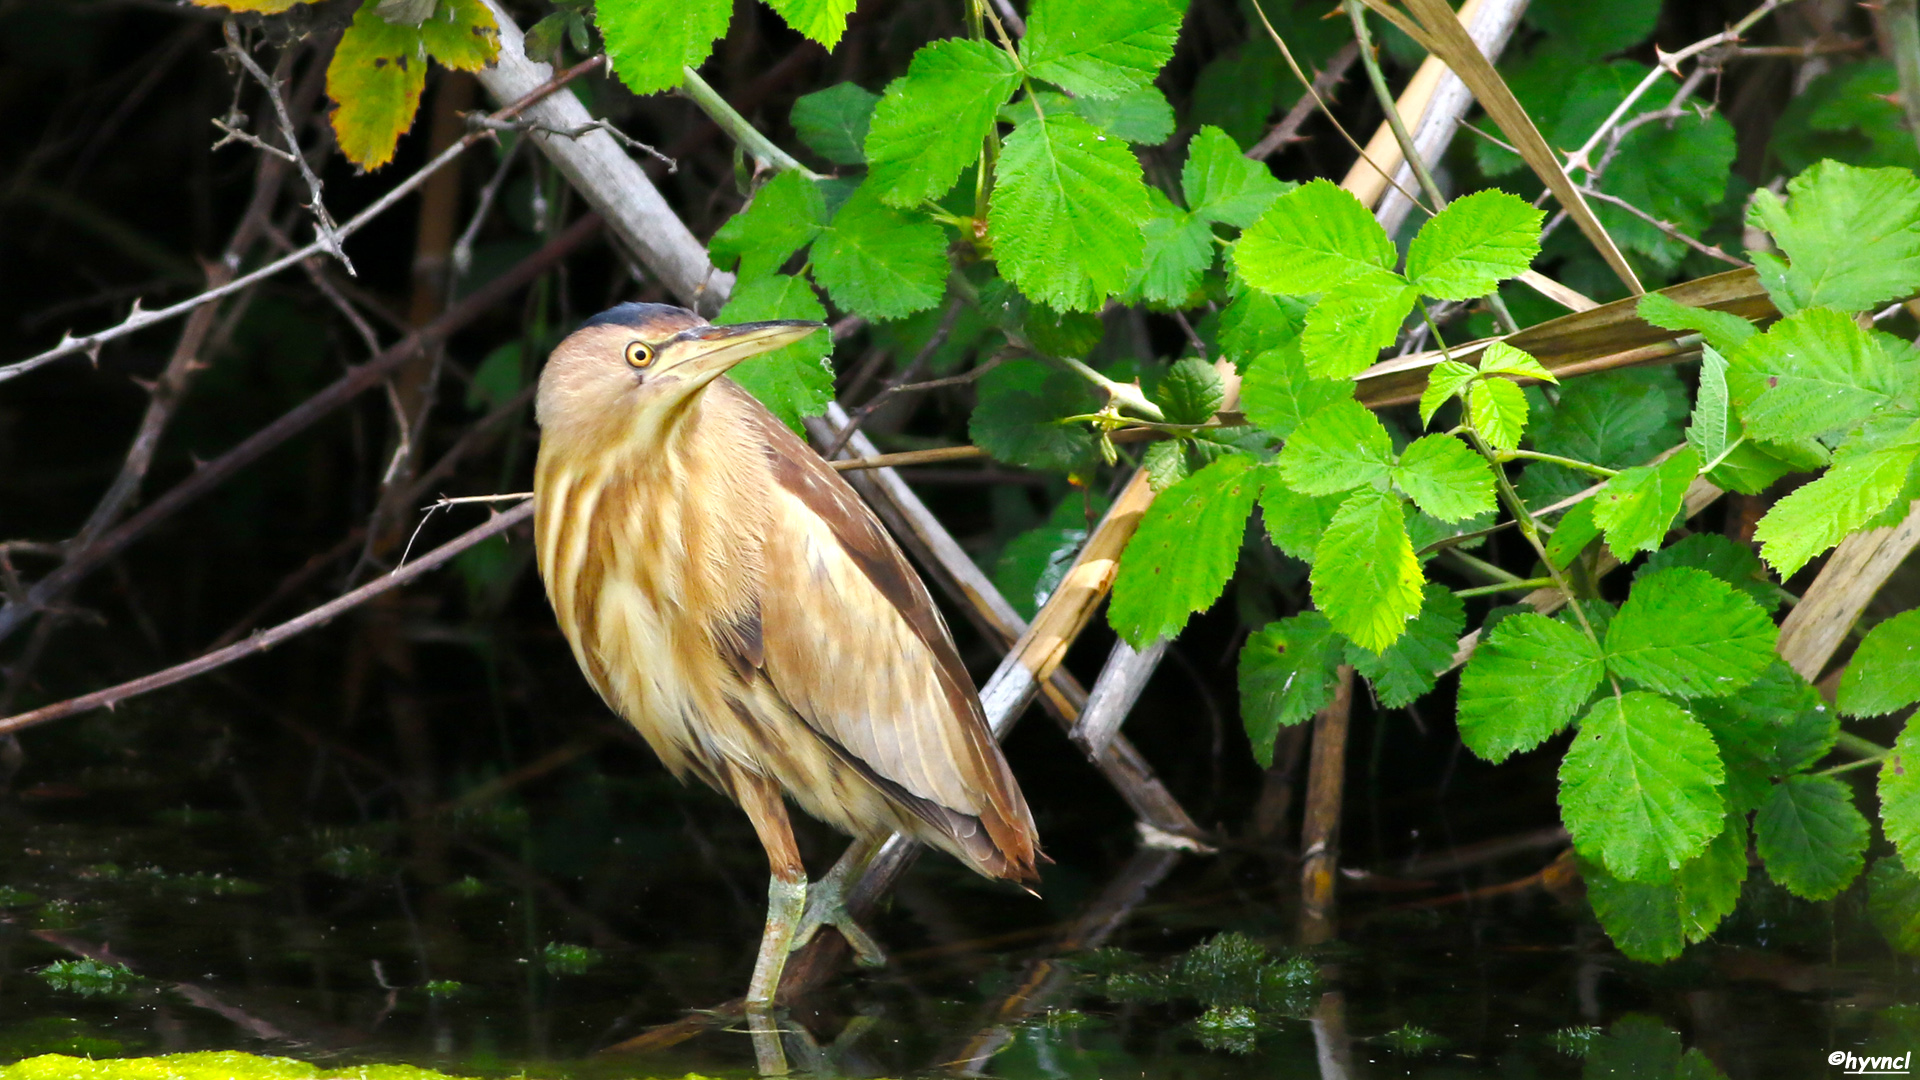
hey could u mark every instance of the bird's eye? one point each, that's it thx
(639, 354)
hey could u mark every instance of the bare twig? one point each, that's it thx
(937, 339)
(482, 120)
(461, 258)
(1288, 129)
(1712, 250)
(329, 235)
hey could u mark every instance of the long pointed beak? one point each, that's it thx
(711, 351)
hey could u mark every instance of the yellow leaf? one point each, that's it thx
(375, 79)
(462, 35)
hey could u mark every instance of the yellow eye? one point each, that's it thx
(639, 354)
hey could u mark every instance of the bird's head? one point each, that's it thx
(629, 371)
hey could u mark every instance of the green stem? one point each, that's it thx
(1517, 586)
(1723, 456)
(1482, 567)
(1848, 743)
(1903, 26)
(749, 138)
(1600, 471)
(1531, 530)
(1852, 765)
(1118, 393)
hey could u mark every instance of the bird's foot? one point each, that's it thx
(827, 906)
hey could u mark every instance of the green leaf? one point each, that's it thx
(1499, 412)
(1638, 505)
(1339, 447)
(1816, 516)
(822, 20)
(1351, 324)
(1779, 721)
(649, 41)
(786, 214)
(1410, 666)
(1138, 116)
(1288, 672)
(1278, 394)
(931, 122)
(1810, 373)
(1853, 234)
(1501, 358)
(1184, 552)
(1190, 392)
(1615, 419)
(1714, 424)
(879, 262)
(1571, 535)
(1751, 467)
(1900, 792)
(461, 34)
(1033, 563)
(375, 78)
(1893, 902)
(1177, 253)
(1884, 674)
(1687, 633)
(1100, 50)
(1445, 478)
(1166, 465)
(1017, 417)
(1364, 574)
(1640, 786)
(1653, 920)
(833, 122)
(1311, 239)
(1811, 837)
(1067, 208)
(1222, 185)
(1257, 322)
(1676, 171)
(1448, 377)
(1295, 522)
(1525, 682)
(1478, 241)
(1723, 330)
(1731, 562)
(793, 381)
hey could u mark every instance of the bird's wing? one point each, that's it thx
(852, 641)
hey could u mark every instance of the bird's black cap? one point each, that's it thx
(639, 316)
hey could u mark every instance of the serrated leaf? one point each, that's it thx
(649, 41)
(1499, 412)
(1893, 902)
(1571, 535)
(1033, 563)
(1257, 322)
(1638, 505)
(1526, 681)
(461, 34)
(1478, 241)
(1448, 377)
(1364, 574)
(1723, 330)
(1278, 394)
(834, 122)
(1810, 373)
(1016, 419)
(1190, 392)
(1731, 562)
(1779, 721)
(822, 20)
(1501, 358)
(1445, 478)
(1185, 550)
(1654, 920)
(1852, 235)
(931, 122)
(1713, 420)
(1178, 249)
(1687, 633)
(1222, 185)
(1339, 447)
(1288, 672)
(375, 78)
(1816, 516)
(1311, 239)
(1900, 792)
(880, 262)
(1295, 522)
(786, 214)
(1750, 468)
(1138, 116)
(1810, 835)
(1884, 674)
(1100, 50)
(793, 381)
(1614, 419)
(1640, 786)
(1166, 464)
(1351, 324)
(1066, 213)
(1410, 666)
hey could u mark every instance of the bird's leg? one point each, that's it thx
(786, 900)
(827, 905)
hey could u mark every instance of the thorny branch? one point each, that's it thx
(328, 233)
(481, 121)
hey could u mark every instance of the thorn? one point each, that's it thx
(198, 461)
(135, 309)
(1578, 160)
(93, 354)
(1666, 60)
(151, 386)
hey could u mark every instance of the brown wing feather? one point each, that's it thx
(945, 756)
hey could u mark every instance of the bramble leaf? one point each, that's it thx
(1900, 792)
(1178, 250)
(1222, 185)
(793, 381)
(1288, 671)
(1640, 786)
(1278, 394)
(1445, 478)
(375, 78)
(1478, 241)
(1033, 563)
(1017, 417)
(1714, 424)
(1190, 392)
(1810, 373)
(461, 34)
(1571, 535)
(1852, 235)
(834, 122)
(1184, 552)
(1499, 412)
(1779, 722)
(1525, 682)
(1613, 418)
(1100, 50)
(786, 214)
(879, 262)
(1638, 505)
(1295, 522)
(1339, 447)
(1447, 378)
(1067, 208)
(1893, 902)
(931, 122)
(1723, 330)
(1364, 574)
(1311, 239)
(1731, 562)
(1351, 324)
(1884, 674)
(1812, 838)
(648, 42)
(1257, 322)
(1816, 516)
(1138, 116)
(1654, 920)
(1410, 666)
(1501, 358)
(822, 20)
(1687, 633)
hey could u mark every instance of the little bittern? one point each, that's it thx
(728, 594)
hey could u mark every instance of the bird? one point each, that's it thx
(732, 598)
